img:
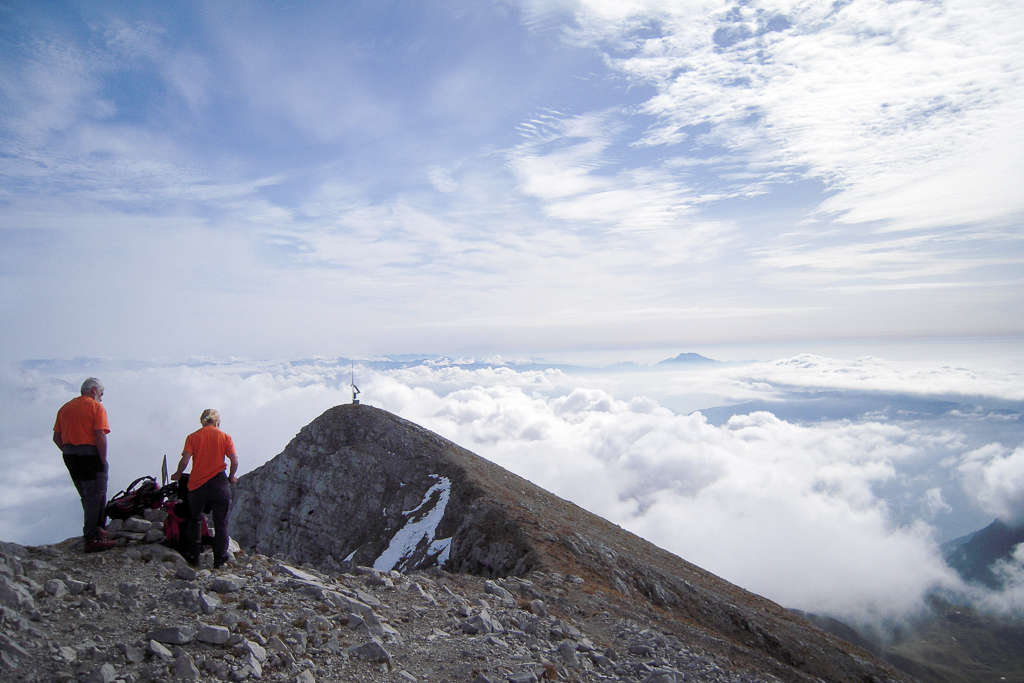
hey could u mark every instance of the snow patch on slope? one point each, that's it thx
(418, 531)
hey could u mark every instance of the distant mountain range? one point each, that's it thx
(408, 360)
(385, 362)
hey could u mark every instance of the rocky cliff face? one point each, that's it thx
(360, 486)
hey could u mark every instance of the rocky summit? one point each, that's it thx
(362, 488)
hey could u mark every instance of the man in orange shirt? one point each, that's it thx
(80, 432)
(207, 448)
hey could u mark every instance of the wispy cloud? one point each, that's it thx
(566, 162)
(995, 477)
(68, 134)
(55, 85)
(907, 110)
(877, 262)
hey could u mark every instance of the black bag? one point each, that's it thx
(176, 490)
(141, 494)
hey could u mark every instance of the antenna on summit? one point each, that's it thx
(352, 381)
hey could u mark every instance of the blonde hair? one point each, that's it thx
(209, 417)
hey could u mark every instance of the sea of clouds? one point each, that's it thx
(825, 485)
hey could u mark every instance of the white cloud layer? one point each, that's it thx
(869, 374)
(783, 510)
(833, 516)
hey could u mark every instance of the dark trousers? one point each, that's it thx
(89, 475)
(217, 494)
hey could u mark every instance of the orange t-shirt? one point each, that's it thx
(209, 447)
(78, 420)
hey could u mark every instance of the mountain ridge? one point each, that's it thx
(974, 555)
(376, 467)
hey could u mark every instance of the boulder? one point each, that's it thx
(215, 635)
(173, 635)
(15, 595)
(228, 583)
(371, 650)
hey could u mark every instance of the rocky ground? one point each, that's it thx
(140, 613)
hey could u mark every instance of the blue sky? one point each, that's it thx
(532, 178)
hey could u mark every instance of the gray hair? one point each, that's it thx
(90, 384)
(209, 417)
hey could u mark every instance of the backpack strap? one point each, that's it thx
(131, 487)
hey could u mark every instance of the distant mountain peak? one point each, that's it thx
(693, 358)
(973, 556)
(360, 486)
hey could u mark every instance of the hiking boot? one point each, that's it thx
(99, 544)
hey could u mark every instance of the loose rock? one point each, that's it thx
(228, 583)
(174, 635)
(371, 650)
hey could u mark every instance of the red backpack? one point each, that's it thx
(141, 494)
(178, 512)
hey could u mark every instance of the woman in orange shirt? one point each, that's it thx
(208, 448)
